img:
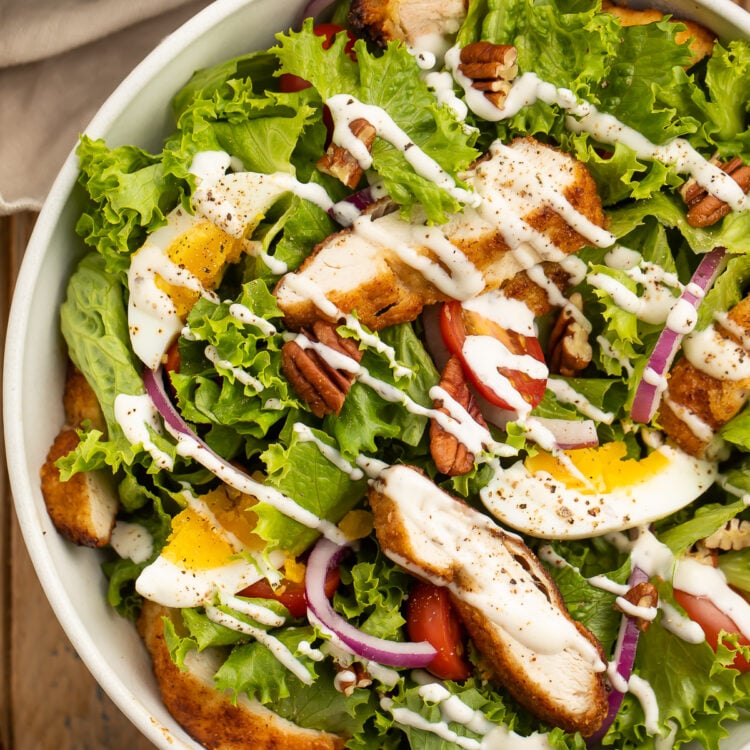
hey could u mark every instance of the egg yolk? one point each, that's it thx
(605, 467)
(200, 541)
(205, 251)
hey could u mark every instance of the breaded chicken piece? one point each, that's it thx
(420, 23)
(507, 601)
(213, 718)
(374, 269)
(697, 404)
(697, 37)
(83, 509)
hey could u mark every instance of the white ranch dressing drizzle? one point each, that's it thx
(152, 316)
(717, 355)
(534, 623)
(452, 272)
(609, 351)
(137, 415)
(703, 431)
(259, 613)
(345, 109)
(274, 645)
(240, 375)
(134, 412)
(306, 435)
(529, 88)
(248, 317)
(308, 288)
(133, 541)
(457, 422)
(566, 394)
(646, 696)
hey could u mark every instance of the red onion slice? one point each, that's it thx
(623, 658)
(649, 390)
(326, 555)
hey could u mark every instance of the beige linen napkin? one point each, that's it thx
(59, 61)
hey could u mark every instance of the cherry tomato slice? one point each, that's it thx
(457, 323)
(430, 617)
(712, 621)
(289, 83)
(290, 593)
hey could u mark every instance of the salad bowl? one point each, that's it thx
(138, 112)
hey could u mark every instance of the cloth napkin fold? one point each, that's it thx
(59, 61)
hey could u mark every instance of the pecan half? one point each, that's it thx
(340, 163)
(451, 456)
(704, 210)
(569, 348)
(642, 595)
(316, 381)
(491, 68)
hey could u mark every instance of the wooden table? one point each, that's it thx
(48, 699)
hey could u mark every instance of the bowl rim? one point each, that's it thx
(730, 15)
(21, 310)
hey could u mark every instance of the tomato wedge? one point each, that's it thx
(290, 593)
(430, 617)
(457, 324)
(712, 621)
(289, 83)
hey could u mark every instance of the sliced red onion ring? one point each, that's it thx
(624, 658)
(650, 388)
(154, 382)
(326, 555)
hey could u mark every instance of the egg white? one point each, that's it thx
(542, 506)
(172, 585)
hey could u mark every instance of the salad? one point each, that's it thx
(408, 382)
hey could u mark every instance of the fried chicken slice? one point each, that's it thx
(213, 718)
(419, 23)
(387, 269)
(697, 405)
(83, 509)
(507, 601)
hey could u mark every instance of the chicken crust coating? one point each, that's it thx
(711, 402)
(212, 718)
(560, 686)
(373, 279)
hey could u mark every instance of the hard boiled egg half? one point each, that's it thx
(177, 264)
(212, 549)
(586, 492)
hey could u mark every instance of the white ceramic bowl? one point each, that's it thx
(138, 113)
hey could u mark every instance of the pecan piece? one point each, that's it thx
(316, 381)
(351, 677)
(642, 595)
(569, 348)
(450, 455)
(734, 535)
(339, 161)
(705, 210)
(491, 68)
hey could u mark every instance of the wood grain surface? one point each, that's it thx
(48, 699)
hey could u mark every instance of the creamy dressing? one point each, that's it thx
(238, 202)
(566, 394)
(132, 541)
(452, 538)
(240, 375)
(273, 644)
(716, 355)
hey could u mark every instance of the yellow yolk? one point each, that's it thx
(605, 467)
(201, 541)
(205, 251)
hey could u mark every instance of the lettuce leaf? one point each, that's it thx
(390, 80)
